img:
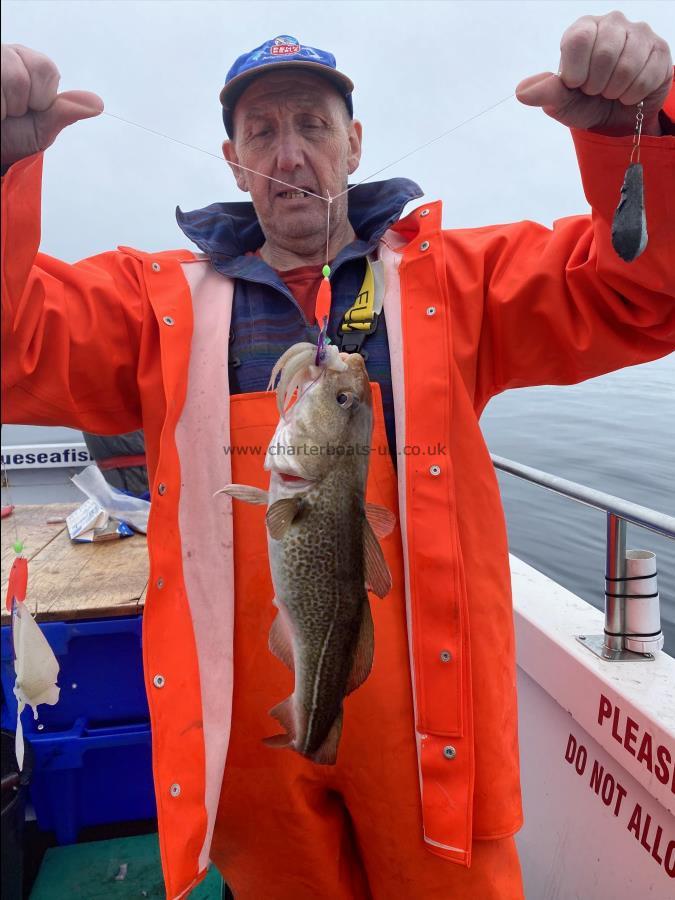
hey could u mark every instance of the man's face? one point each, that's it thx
(294, 127)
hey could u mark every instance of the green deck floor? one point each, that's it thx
(87, 872)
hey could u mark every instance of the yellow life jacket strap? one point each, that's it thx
(360, 319)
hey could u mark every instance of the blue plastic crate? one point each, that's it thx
(101, 677)
(91, 776)
(92, 749)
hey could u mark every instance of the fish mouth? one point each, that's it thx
(293, 481)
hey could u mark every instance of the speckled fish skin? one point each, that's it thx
(319, 578)
(629, 226)
(318, 566)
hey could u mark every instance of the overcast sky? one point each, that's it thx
(419, 68)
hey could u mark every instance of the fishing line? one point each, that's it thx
(18, 573)
(427, 144)
(324, 299)
(324, 294)
(220, 157)
(8, 495)
(328, 200)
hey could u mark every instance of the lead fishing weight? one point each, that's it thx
(629, 226)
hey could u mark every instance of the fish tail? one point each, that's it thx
(278, 740)
(284, 714)
(326, 755)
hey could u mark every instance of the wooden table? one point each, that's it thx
(73, 581)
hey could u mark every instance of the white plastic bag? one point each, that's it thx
(131, 510)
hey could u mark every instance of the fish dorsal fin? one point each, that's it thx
(378, 576)
(280, 642)
(246, 493)
(382, 521)
(281, 514)
(363, 655)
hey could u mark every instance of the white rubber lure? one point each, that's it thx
(36, 669)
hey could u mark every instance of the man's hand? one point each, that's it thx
(607, 66)
(33, 113)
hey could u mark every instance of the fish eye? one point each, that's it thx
(347, 400)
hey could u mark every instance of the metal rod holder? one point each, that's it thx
(632, 633)
(624, 640)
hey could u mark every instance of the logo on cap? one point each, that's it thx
(284, 46)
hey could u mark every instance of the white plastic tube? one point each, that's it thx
(642, 613)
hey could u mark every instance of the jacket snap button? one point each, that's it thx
(161, 488)
(424, 245)
(158, 681)
(446, 656)
(174, 790)
(449, 752)
(425, 212)
(431, 310)
(160, 583)
(156, 267)
(168, 320)
(434, 470)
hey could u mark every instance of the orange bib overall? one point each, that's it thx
(287, 828)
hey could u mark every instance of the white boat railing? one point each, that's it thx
(632, 619)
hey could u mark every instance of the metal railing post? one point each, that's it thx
(615, 607)
(632, 629)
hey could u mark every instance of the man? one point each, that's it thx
(424, 799)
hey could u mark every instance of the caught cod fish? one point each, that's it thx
(323, 543)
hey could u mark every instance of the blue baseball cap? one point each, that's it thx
(283, 51)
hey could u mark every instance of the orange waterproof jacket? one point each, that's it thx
(129, 339)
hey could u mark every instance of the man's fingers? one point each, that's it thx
(607, 49)
(657, 71)
(33, 112)
(607, 66)
(24, 135)
(69, 107)
(44, 77)
(15, 83)
(545, 89)
(576, 48)
(633, 59)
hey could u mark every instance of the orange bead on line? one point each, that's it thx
(323, 301)
(17, 582)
